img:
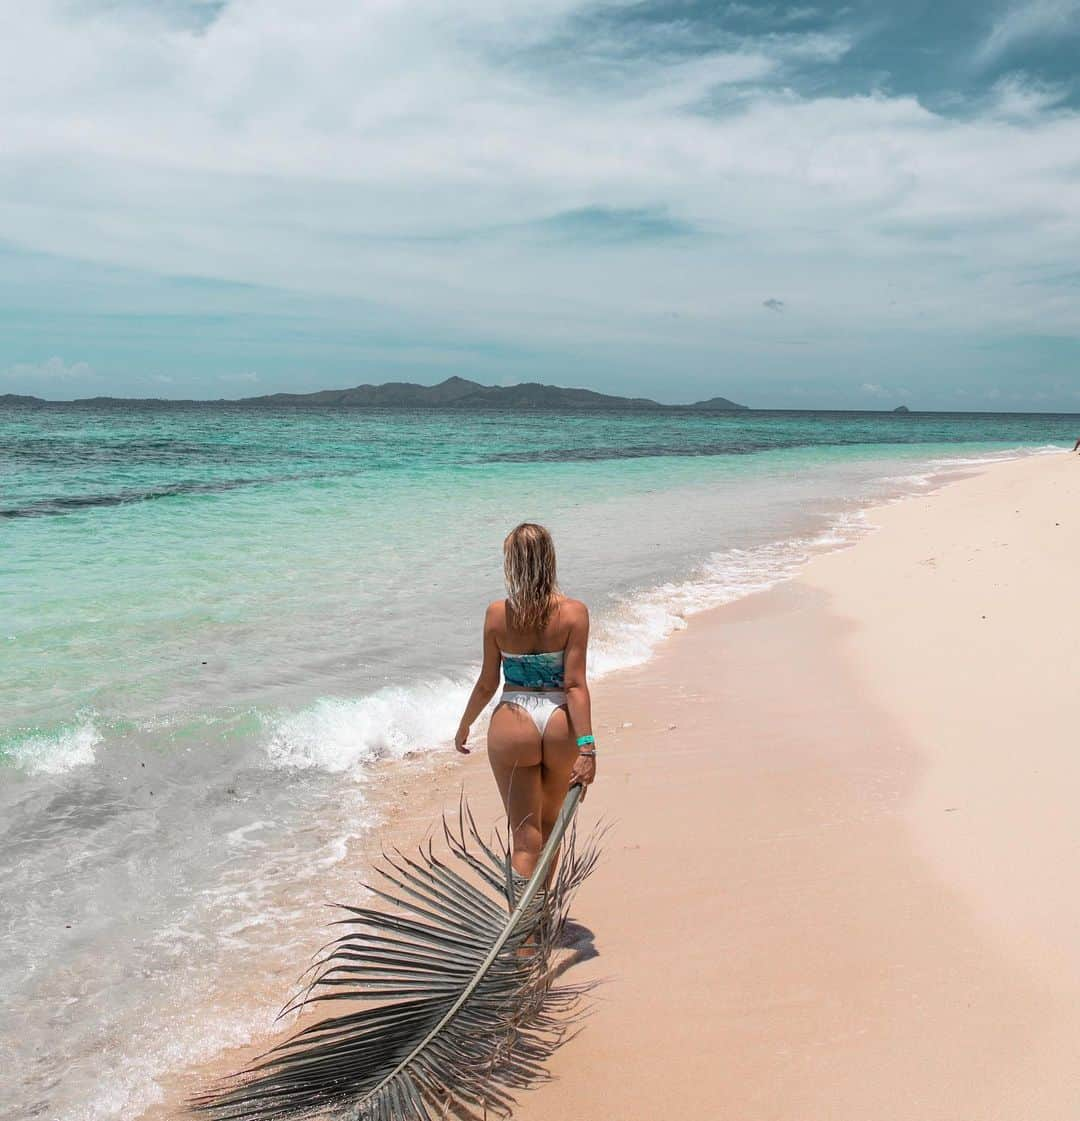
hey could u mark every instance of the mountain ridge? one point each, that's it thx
(454, 393)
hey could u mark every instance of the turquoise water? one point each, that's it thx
(214, 620)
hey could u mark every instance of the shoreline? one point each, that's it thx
(280, 924)
(635, 622)
(809, 986)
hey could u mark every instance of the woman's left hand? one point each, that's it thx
(461, 738)
(583, 773)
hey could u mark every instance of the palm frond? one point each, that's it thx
(458, 1010)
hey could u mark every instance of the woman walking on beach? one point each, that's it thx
(540, 740)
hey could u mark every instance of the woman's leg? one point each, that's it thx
(559, 753)
(515, 756)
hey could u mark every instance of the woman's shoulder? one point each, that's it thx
(572, 609)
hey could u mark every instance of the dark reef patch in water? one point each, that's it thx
(51, 507)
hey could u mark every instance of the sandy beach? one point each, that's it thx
(839, 882)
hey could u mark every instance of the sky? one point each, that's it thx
(834, 205)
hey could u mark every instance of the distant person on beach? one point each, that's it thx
(540, 740)
(1076, 445)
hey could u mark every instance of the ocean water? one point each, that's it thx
(215, 621)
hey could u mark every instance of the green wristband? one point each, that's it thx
(584, 741)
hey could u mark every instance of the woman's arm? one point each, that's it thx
(486, 683)
(578, 701)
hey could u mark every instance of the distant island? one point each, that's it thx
(454, 393)
(901, 409)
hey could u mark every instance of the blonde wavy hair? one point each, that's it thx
(529, 568)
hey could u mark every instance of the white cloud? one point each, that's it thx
(812, 46)
(247, 377)
(893, 392)
(53, 369)
(1025, 22)
(1019, 97)
(397, 154)
(771, 13)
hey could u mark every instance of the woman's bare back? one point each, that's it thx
(553, 636)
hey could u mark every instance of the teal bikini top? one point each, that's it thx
(534, 671)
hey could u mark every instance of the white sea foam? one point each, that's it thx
(55, 754)
(1000, 456)
(195, 1036)
(943, 468)
(240, 836)
(344, 736)
(629, 633)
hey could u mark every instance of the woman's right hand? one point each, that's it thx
(461, 737)
(583, 773)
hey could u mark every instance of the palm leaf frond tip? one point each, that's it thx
(457, 1008)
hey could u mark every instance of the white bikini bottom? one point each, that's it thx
(539, 706)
